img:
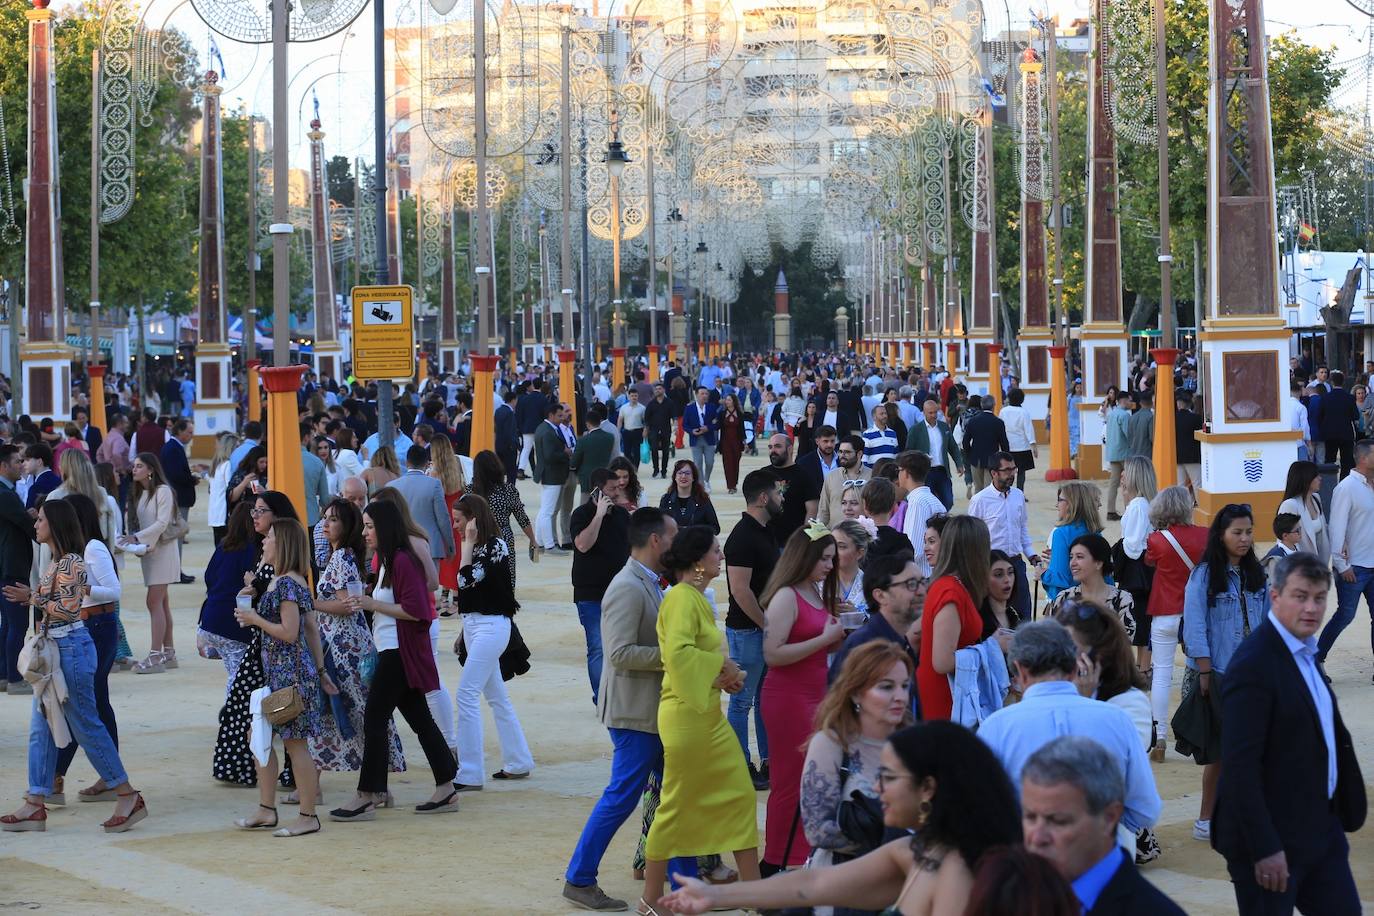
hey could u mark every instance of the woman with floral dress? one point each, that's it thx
(350, 653)
(291, 657)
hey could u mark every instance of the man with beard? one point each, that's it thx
(750, 555)
(849, 456)
(799, 498)
(894, 590)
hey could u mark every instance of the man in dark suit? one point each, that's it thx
(1333, 421)
(506, 435)
(1072, 796)
(16, 556)
(701, 420)
(550, 471)
(529, 413)
(932, 436)
(1290, 784)
(984, 436)
(178, 472)
(820, 461)
(82, 418)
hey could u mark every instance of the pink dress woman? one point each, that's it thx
(789, 697)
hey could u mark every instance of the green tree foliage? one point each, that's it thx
(149, 255)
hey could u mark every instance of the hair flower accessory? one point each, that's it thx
(868, 525)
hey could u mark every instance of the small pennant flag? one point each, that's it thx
(1306, 233)
(998, 99)
(217, 57)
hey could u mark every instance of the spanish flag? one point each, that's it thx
(1306, 233)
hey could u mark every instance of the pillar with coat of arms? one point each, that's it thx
(1249, 441)
(214, 408)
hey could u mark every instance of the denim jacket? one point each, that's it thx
(1214, 630)
(979, 682)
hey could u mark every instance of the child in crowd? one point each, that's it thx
(1288, 530)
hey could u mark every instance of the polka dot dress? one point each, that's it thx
(233, 759)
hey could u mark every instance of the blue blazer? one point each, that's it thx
(1272, 794)
(694, 416)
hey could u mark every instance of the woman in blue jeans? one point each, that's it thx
(100, 609)
(61, 591)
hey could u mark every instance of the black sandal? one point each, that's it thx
(368, 812)
(440, 807)
(288, 832)
(244, 824)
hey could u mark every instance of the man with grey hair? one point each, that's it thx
(1044, 661)
(1072, 798)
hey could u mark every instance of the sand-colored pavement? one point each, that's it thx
(505, 851)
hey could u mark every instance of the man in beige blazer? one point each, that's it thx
(627, 701)
(849, 456)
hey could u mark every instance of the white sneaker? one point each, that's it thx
(1202, 830)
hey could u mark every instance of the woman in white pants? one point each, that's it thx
(487, 603)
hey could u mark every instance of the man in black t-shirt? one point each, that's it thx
(799, 498)
(601, 546)
(750, 555)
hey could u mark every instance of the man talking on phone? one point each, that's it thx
(1003, 508)
(601, 546)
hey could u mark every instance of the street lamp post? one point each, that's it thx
(616, 160)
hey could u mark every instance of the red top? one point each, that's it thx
(1171, 574)
(937, 702)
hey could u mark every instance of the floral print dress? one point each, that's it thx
(287, 664)
(348, 646)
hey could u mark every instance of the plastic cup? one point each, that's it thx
(852, 620)
(244, 603)
(355, 589)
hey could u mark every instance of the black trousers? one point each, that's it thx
(389, 693)
(1341, 451)
(660, 448)
(1324, 887)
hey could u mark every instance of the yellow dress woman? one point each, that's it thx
(708, 800)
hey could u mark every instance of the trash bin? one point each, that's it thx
(1330, 474)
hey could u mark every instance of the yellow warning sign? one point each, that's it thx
(383, 332)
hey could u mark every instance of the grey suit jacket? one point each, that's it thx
(632, 673)
(425, 496)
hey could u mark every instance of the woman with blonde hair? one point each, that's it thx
(382, 470)
(78, 476)
(1128, 567)
(801, 627)
(851, 547)
(868, 701)
(444, 467)
(1078, 515)
(217, 509)
(153, 514)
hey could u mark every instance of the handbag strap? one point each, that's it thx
(1178, 549)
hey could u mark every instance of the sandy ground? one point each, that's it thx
(505, 852)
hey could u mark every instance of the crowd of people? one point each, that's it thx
(947, 717)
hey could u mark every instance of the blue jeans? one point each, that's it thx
(1347, 603)
(589, 615)
(77, 651)
(637, 755)
(746, 650)
(104, 630)
(941, 485)
(14, 626)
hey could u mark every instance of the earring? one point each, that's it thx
(701, 575)
(922, 814)
(855, 704)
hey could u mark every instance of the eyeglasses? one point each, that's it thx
(911, 584)
(258, 513)
(885, 776)
(1079, 611)
(1010, 470)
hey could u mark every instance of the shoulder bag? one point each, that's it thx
(177, 528)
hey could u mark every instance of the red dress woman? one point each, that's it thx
(795, 683)
(731, 445)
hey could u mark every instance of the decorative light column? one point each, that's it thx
(1103, 336)
(782, 315)
(450, 348)
(995, 375)
(96, 374)
(984, 268)
(285, 473)
(677, 323)
(1035, 336)
(483, 411)
(254, 392)
(45, 358)
(841, 329)
(652, 375)
(214, 408)
(328, 352)
(617, 367)
(567, 379)
(1247, 451)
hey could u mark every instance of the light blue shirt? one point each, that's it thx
(1088, 886)
(401, 444)
(1051, 709)
(1305, 657)
(240, 452)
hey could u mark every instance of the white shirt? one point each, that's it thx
(1305, 657)
(217, 511)
(1020, 430)
(937, 439)
(100, 575)
(1005, 516)
(383, 625)
(830, 419)
(1135, 527)
(1352, 523)
(921, 504)
(1300, 418)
